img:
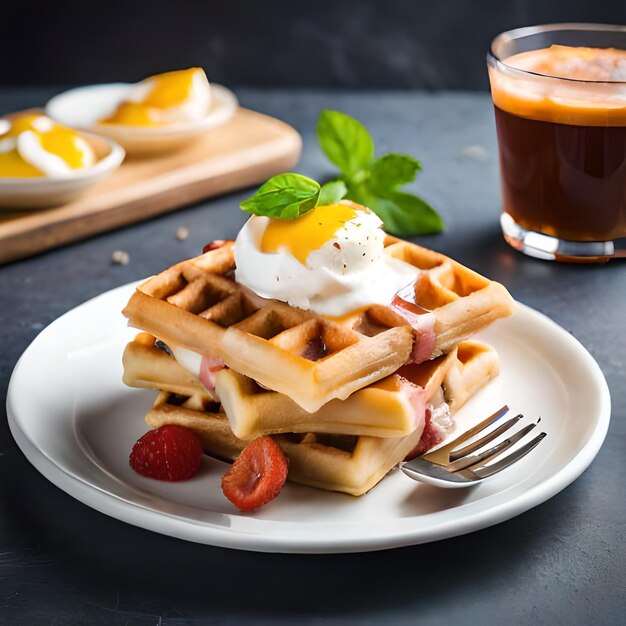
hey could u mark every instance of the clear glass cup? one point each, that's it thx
(562, 144)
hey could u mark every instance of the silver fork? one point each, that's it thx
(453, 467)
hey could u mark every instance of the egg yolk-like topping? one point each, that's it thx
(133, 114)
(30, 140)
(307, 233)
(172, 88)
(164, 91)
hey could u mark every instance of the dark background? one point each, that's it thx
(348, 44)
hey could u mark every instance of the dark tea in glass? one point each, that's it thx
(560, 110)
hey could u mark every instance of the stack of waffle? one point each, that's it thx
(346, 398)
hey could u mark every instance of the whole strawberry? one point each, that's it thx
(257, 475)
(169, 453)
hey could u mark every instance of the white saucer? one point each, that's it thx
(83, 107)
(76, 422)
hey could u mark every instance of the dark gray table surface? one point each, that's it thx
(562, 562)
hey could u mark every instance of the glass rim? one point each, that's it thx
(526, 31)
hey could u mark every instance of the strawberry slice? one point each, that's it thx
(169, 453)
(209, 367)
(257, 475)
(431, 436)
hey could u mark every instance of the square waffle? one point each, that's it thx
(392, 407)
(311, 359)
(348, 463)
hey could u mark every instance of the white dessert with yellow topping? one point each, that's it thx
(33, 145)
(329, 260)
(180, 96)
(161, 113)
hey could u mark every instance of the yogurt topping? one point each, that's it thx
(330, 260)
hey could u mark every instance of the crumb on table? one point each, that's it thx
(120, 257)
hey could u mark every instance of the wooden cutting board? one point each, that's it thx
(247, 150)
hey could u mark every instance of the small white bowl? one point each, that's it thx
(48, 191)
(83, 107)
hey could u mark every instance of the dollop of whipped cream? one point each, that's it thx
(330, 260)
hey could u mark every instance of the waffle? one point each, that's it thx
(150, 368)
(475, 364)
(346, 463)
(197, 304)
(391, 407)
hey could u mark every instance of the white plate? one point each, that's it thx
(76, 422)
(83, 107)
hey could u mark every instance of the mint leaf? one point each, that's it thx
(346, 142)
(332, 192)
(284, 197)
(402, 213)
(392, 170)
(375, 184)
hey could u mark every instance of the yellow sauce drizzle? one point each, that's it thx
(170, 89)
(66, 144)
(307, 233)
(132, 114)
(12, 165)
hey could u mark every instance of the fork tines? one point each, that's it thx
(471, 462)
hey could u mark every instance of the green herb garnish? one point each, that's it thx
(288, 196)
(375, 182)
(371, 182)
(332, 192)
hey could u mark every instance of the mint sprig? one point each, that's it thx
(288, 196)
(374, 182)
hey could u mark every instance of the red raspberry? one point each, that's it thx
(168, 453)
(213, 245)
(257, 475)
